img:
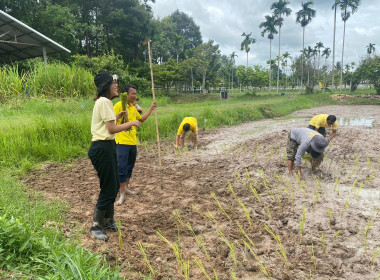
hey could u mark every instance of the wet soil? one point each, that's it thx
(230, 208)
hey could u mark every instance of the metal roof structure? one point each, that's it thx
(18, 41)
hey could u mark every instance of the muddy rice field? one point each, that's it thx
(230, 210)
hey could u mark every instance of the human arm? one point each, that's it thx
(333, 134)
(113, 128)
(150, 110)
(120, 115)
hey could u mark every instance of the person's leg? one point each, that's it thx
(103, 157)
(129, 160)
(291, 150)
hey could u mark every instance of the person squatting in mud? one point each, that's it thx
(301, 140)
(126, 141)
(102, 153)
(187, 124)
(320, 122)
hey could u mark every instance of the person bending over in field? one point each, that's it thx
(301, 140)
(320, 122)
(102, 153)
(126, 141)
(188, 124)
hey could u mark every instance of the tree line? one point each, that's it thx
(119, 29)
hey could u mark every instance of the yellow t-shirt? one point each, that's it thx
(103, 112)
(127, 137)
(191, 121)
(321, 121)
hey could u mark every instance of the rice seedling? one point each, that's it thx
(245, 234)
(262, 267)
(237, 177)
(313, 256)
(199, 239)
(323, 241)
(202, 268)
(177, 216)
(215, 275)
(282, 252)
(119, 234)
(302, 224)
(345, 206)
(374, 257)
(196, 209)
(369, 163)
(211, 217)
(233, 275)
(366, 230)
(313, 201)
(268, 212)
(220, 205)
(311, 275)
(353, 189)
(230, 245)
(336, 235)
(248, 177)
(216, 151)
(336, 186)
(359, 190)
(182, 264)
(330, 216)
(142, 250)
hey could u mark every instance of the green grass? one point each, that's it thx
(38, 130)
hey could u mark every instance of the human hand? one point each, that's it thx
(120, 115)
(136, 123)
(154, 105)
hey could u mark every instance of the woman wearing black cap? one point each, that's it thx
(103, 152)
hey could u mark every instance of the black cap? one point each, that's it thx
(102, 81)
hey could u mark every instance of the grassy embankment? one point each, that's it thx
(38, 130)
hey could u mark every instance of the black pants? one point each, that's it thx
(321, 130)
(103, 157)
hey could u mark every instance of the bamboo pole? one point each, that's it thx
(155, 115)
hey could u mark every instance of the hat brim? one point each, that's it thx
(314, 147)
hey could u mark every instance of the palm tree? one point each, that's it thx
(304, 17)
(326, 53)
(269, 26)
(232, 61)
(344, 6)
(333, 57)
(318, 47)
(285, 57)
(370, 49)
(246, 42)
(279, 10)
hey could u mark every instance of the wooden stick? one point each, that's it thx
(155, 115)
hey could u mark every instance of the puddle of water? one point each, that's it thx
(356, 122)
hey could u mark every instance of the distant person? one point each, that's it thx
(320, 122)
(126, 141)
(102, 152)
(300, 141)
(188, 124)
(139, 109)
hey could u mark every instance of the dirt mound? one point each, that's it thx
(231, 210)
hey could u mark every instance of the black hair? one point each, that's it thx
(314, 154)
(186, 127)
(331, 118)
(103, 81)
(128, 87)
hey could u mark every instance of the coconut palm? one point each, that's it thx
(334, 7)
(232, 62)
(279, 10)
(285, 58)
(344, 6)
(269, 26)
(246, 42)
(370, 49)
(326, 53)
(318, 47)
(304, 17)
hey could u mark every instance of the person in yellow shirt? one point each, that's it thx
(126, 141)
(320, 122)
(188, 124)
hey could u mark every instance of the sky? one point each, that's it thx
(225, 20)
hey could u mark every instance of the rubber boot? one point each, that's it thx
(97, 227)
(109, 220)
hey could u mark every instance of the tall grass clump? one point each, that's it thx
(11, 84)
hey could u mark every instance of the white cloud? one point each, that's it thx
(224, 21)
